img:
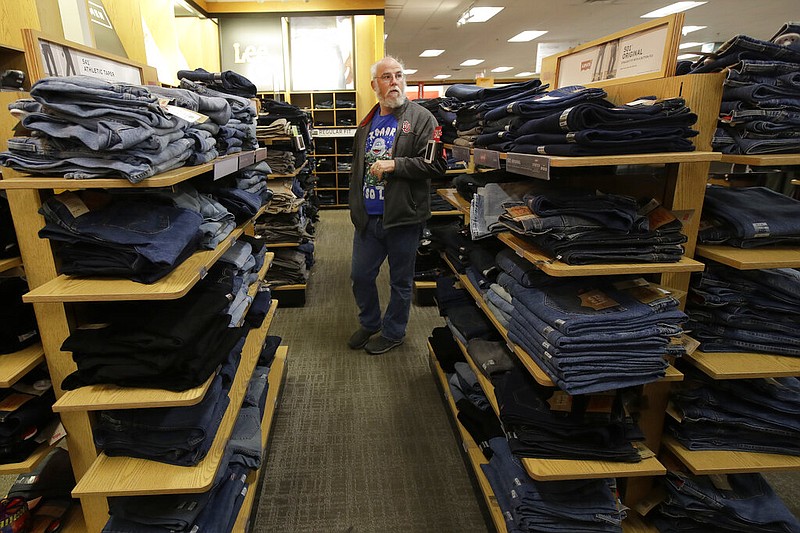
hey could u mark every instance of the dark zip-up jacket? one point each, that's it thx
(407, 190)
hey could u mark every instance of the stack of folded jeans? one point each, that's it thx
(281, 161)
(590, 336)
(730, 503)
(18, 327)
(539, 425)
(101, 235)
(239, 132)
(748, 217)
(89, 128)
(580, 229)
(446, 119)
(581, 506)
(253, 179)
(176, 345)
(455, 240)
(288, 268)
(597, 128)
(282, 228)
(228, 82)
(754, 311)
(488, 204)
(753, 415)
(272, 110)
(491, 357)
(284, 198)
(217, 222)
(242, 264)
(26, 417)
(279, 127)
(216, 108)
(464, 384)
(475, 103)
(760, 109)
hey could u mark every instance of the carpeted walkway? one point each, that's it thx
(361, 443)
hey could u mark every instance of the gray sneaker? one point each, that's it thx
(359, 338)
(380, 345)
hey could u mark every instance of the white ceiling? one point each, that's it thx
(415, 25)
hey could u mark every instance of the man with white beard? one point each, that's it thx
(389, 204)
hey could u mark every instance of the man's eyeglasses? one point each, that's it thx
(387, 77)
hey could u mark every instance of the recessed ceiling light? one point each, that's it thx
(677, 7)
(471, 62)
(524, 74)
(688, 56)
(410, 71)
(525, 36)
(502, 69)
(683, 46)
(441, 76)
(431, 53)
(690, 29)
(478, 14)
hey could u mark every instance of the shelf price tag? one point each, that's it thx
(225, 166)
(535, 166)
(261, 154)
(460, 153)
(247, 159)
(487, 158)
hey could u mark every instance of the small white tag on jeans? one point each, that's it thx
(73, 203)
(761, 229)
(193, 117)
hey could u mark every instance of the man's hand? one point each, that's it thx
(381, 167)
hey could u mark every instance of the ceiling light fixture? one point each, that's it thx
(477, 14)
(409, 71)
(472, 62)
(431, 53)
(689, 29)
(677, 7)
(683, 57)
(441, 76)
(526, 36)
(683, 46)
(502, 69)
(525, 74)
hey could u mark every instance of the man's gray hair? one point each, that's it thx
(373, 70)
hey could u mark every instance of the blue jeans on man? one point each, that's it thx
(370, 249)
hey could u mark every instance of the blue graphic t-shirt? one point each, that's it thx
(379, 146)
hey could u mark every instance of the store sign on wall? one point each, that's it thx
(58, 60)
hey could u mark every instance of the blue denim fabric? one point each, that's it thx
(611, 210)
(748, 505)
(216, 108)
(550, 102)
(157, 232)
(731, 141)
(241, 108)
(370, 249)
(467, 92)
(743, 47)
(671, 144)
(95, 134)
(180, 436)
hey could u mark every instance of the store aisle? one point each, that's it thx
(361, 443)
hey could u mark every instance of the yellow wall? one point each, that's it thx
(126, 17)
(368, 49)
(198, 39)
(14, 16)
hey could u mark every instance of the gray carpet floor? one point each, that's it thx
(362, 443)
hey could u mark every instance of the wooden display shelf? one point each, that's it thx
(269, 139)
(762, 160)
(297, 287)
(15, 365)
(275, 380)
(11, 262)
(555, 268)
(28, 464)
(165, 179)
(446, 213)
(563, 469)
(424, 285)
(106, 396)
(174, 285)
(476, 457)
(486, 385)
(282, 245)
(128, 476)
(703, 462)
(751, 258)
(744, 365)
(455, 199)
(623, 159)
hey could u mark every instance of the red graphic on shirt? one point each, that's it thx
(406, 126)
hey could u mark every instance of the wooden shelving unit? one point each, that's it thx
(11, 262)
(751, 258)
(730, 462)
(744, 365)
(275, 380)
(28, 464)
(101, 476)
(763, 160)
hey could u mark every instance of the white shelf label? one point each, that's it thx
(460, 153)
(261, 154)
(487, 158)
(333, 132)
(247, 159)
(225, 166)
(535, 166)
